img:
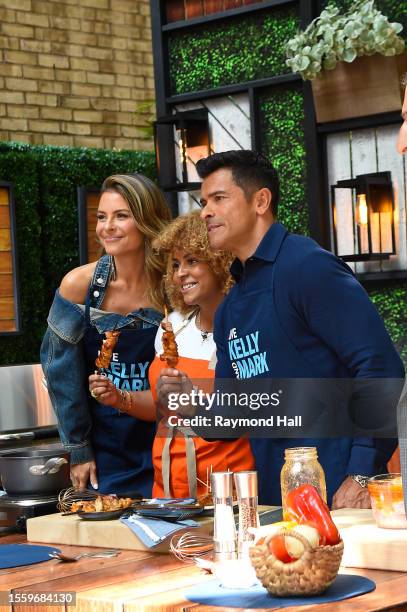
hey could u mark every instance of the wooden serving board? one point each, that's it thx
(58, 529)
(369, 546)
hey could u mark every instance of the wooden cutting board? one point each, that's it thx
(58, 529)
(369, 546)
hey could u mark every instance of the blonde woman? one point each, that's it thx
(121, 291)
(196, 282)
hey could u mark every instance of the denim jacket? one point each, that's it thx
(63, 363)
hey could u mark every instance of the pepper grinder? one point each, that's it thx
(224, 529)
(247, 493)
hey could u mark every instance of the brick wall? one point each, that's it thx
(76, 72)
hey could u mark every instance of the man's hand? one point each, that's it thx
(173, 381)
(351, 495)
(82, 473)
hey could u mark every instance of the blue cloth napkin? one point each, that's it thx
(210, 593)
(153, 531)
(14, 555)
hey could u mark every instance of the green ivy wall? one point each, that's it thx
(281, 128)
(45, 181)
(234, 51)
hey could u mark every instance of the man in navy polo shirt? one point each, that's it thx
(303, 313)
(309, 315)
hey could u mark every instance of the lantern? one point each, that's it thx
(190, 132)
(363, 217)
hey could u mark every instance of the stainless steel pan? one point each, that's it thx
(34, 471)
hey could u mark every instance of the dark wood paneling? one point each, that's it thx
(175, 10)
(194, 8)
(250, 7)
(213, 6)
(231, 4)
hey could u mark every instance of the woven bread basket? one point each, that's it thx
(311, 574)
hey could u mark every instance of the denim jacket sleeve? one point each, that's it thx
(63, 365)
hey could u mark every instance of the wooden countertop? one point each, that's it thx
(135, 581)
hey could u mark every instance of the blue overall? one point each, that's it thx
(121, 443)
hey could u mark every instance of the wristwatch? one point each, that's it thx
(361, 480)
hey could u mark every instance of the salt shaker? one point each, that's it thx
(224, 530)
(247, 493)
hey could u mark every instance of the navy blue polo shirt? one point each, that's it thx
(297, 311)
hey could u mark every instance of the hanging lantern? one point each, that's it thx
(363, 217)
(191, 141)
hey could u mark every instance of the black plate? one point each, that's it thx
(108, 515)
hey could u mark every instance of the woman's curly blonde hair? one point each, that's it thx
(189, 234)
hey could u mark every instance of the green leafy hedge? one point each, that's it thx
(281, 129)
(45, 183)
(391, 302)
(24, 177)
(233, 51)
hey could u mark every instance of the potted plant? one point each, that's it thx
(353, 60)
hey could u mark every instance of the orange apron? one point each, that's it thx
(182, 462)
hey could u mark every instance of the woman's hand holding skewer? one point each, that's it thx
(104, 391)
(173, 382)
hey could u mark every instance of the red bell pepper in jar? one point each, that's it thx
(305, 505)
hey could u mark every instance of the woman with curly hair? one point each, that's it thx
(195, 283)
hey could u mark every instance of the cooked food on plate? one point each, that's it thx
(103, 503)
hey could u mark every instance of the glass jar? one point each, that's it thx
(301, 467)
(386, 497)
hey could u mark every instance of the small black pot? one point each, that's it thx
(35, 472)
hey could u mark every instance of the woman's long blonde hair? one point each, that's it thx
(151, 214)
(189, 234)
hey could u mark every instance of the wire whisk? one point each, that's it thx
(68, 496)
(189, 545)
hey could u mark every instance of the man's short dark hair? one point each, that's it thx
(250, 170)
